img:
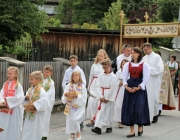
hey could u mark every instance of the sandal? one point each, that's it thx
(120, 125)
(89, 125)
(72, 137)
(79, 137)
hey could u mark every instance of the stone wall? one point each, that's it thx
(166, 53)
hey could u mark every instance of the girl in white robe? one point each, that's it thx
(96, 69)
(11, 95)
(120, 94)
(107, 91)
(34, 122)
(75, 97)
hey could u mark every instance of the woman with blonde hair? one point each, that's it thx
(96, 69)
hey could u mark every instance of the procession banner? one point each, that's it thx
(151, 30)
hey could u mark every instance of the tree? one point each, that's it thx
(135, 9)
(111, 18)
(64, 11)
(18, 17)
(82, 11)
(168, 9)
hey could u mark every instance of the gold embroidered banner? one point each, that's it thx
(151, 30)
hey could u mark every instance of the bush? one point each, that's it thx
(19, 50)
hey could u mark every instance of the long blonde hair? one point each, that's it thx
(105, 56)
(80, 79)
(16, 71)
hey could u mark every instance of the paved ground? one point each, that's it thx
(167, 128)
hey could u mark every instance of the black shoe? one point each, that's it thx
(109, 130)
(159, 112)
(130, 136)
(96, 130)
(140, 133)
(81, 126)
(44, 138)
(155, 119)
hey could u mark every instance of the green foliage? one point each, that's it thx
(18, 17)
(82, 11)
(15, 50)
(19, 50)
(75, 26)
(89, 26)
(85, 26)
(168, 9)
(53, 22)
(165, 42)
(128, 5)
(64, 11)
(111, 18)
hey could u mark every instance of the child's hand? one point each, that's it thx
(75, 95)
(102, 99)
(27, 97)
(32, 107)
(120, 83)
(5, 100)
(66, 94)
(106, 101)
(1, 129)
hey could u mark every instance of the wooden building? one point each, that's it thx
(63, 42)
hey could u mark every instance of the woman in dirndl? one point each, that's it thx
(135, 109)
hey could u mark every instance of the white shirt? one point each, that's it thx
(120, 58)
(68, 73)
(146, 73)
(174, 64)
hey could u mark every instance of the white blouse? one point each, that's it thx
(146, 73)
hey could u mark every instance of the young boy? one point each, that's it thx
(73, 59)
(48, 85)
(37, 102)
(107, 90)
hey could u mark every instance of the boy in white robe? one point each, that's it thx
(107, 91)
(75, 97)
(11, 109)
(48, 85)
(154, 83)
(73, 59)
(35, 104)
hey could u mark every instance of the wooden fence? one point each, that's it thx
(3, 68)
(58, 73)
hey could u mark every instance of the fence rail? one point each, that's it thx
(3, 68)
(57, 76)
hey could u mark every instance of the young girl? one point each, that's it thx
(120, 94)
(11, 112)
(75, 96)
(135, 109)
(96, 69)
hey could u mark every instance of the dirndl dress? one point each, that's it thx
(135, 108)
